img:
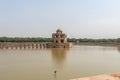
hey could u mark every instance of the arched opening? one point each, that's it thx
(62, 41)
(56, 36)
(62, 36)
(56, 41)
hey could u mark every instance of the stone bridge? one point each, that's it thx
(22, 45)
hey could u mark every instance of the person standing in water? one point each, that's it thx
(55, 72)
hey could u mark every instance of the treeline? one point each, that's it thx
(26, 39)
(93, 40)
(39, 39)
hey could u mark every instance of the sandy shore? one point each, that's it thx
(114, 76)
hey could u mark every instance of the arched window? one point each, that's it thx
(62, 36)
(56, 41)
(62, 41)
(56, 36)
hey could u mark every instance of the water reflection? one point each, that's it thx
(40, 64)
(59, 56)
(118, 49)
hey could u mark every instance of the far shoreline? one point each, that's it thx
(98, 43)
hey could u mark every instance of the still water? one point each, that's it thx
(40, 64)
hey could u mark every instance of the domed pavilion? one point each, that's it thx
(59, 40)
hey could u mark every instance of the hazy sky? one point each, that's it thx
(77, 18)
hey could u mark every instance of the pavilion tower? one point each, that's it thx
(59, 40)
(59, 37)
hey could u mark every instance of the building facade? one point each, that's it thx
(59, 40)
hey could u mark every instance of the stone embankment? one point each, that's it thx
(22, 45)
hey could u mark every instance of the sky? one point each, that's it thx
(77, 18)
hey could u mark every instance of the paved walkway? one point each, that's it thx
(114, 76)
